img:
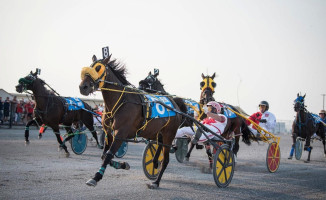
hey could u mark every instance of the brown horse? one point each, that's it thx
(304, 126)
(51, 110)
(124, 115)
(152, 84)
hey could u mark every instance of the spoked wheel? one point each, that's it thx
(298, 148)
(79, 143)
(223, 168)
(182, 149)
(148, 165)
(122, 150)
(273, 157)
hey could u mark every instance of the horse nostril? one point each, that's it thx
(85, 87)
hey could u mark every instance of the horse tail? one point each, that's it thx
(246, 133)
(183, 108)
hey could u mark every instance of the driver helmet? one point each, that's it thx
(322, 112)
(215, 105)
(265, 103)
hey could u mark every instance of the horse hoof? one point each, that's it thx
(27, 142)
(127, 166)
(290, 157)
(100, 146)
(306, 161)
(152, 186)
(91, 182)
(39, 136)
(187, 159)
(67, 155)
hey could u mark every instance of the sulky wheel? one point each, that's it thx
(79, 143)
(182, 149)
(223, 168)
(298, 148)
(273, 157)
(122, 150)
(148, 166)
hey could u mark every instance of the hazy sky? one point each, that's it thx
(260, 49)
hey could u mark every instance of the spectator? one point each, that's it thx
(13, 108)
(19, 112)
(1, 110)
(6, 109)
(29, 110)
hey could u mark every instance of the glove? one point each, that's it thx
(263, 120)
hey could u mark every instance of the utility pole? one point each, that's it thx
(323, 100)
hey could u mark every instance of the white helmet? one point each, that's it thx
(216, 105)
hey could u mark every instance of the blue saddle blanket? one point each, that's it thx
(157, 109)
(190, 105)
(228, 113)
(316, 118)
(74, 103)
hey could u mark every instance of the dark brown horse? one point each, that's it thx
(124, 115)
(304, 126)
(152, 84)
(51, 110)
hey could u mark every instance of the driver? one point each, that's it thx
(215, 121)
(263, 118)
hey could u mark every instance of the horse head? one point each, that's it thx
(152, 83)
(100, 73)
(299, 103)
(207, 87)
(28, 81)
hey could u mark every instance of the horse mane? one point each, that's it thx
(119, 69)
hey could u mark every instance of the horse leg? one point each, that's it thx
(294, 138)
(94, 134)
(190, 150)
(108, 160)
(210, 155)
(158, 152)
(308, 148)
(61, 144)
(166, 159)
(32, 122)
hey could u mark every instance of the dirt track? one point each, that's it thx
(39, 171)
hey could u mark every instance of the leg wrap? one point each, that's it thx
(292, 151)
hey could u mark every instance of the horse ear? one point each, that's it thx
(150, 73)
(202, 75)
(106, 60)
(94, 58)
(213, 76)
(304, 95)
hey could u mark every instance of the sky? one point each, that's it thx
(259, 49)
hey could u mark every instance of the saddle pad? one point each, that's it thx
(228, 113)
(316, 118)
(74, 103)
(190, 104)
(158, 110)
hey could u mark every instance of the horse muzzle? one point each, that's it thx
(19, 88)
(86, 88)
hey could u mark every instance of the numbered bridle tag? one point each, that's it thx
(105, 52)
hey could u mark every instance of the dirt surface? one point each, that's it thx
(39, 171)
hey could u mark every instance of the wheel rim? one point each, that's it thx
(298, 149)
(79, 143)
(273, 160)
(148, 165)
(223, 166)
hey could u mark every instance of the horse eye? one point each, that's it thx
(98, 68)
(213, 84)
(202, 84)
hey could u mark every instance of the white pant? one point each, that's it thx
(189, 132)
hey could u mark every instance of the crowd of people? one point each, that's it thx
(16, 111)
